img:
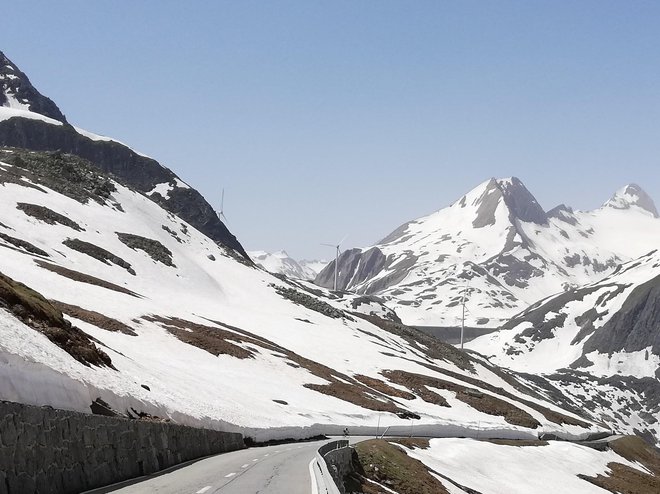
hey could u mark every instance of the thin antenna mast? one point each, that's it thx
(467, 284)
(337, 252)
(222, 206)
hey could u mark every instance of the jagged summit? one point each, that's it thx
(522, 204)
(632, 195)
(16, 91)
(487, 197)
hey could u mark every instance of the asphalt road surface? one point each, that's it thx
(282, 469)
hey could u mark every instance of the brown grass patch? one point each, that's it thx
(481, 402)
(35, 311)
(83, 278)
(518, 442)
(389, 465)
(214, 340)
(634, 448)
(626, 480)
(550, 415)
(433, 348)
(217, 340)
(412, 442)
(417, 384)
(623, 479)
(383, 387)
(94, 318)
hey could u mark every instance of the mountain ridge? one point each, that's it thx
(22, 128)
(17, 91)
(498, 237)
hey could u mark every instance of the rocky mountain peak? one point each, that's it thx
(519, 201)
(16, 91)
(632, 195)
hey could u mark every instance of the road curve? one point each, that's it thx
(281, 469)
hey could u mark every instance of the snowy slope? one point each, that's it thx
(489, 468)
(281, 263)
(598, 343)
(601, 327)
(500, 247)
(216, 342)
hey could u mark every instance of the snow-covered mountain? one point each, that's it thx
(32, 121)
(499, 246)
(609, 327)
(120, 294)
(281, 263)
(599, 343)
(108, 300)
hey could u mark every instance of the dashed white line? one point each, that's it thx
(256, 459)
(245, 466)
(267, 454)
(230, 475)
(203, 489)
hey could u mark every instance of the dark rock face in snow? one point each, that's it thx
(521, 202)
(15, 84)
(564, 213)
(355, 266)
(635, 326)
(140, 172)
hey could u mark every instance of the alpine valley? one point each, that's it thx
(123, 293)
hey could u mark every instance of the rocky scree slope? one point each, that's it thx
(499, 246)
(30, 120)
(185, 332)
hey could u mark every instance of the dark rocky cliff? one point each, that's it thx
(634, 327)
(140, 172)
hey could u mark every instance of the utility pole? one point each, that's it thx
(467, 284)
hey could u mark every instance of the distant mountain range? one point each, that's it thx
(281, 263)
(500, 247)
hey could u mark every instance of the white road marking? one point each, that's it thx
(266, 454)
(230, 475)
(315, 488)
(203, 489)
(277, 450)
(245, 466)
(256, 459)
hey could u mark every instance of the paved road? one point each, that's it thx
(282, 469)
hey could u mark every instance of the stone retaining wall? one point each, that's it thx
(55, 451)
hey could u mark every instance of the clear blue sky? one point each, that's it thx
(327, 118)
